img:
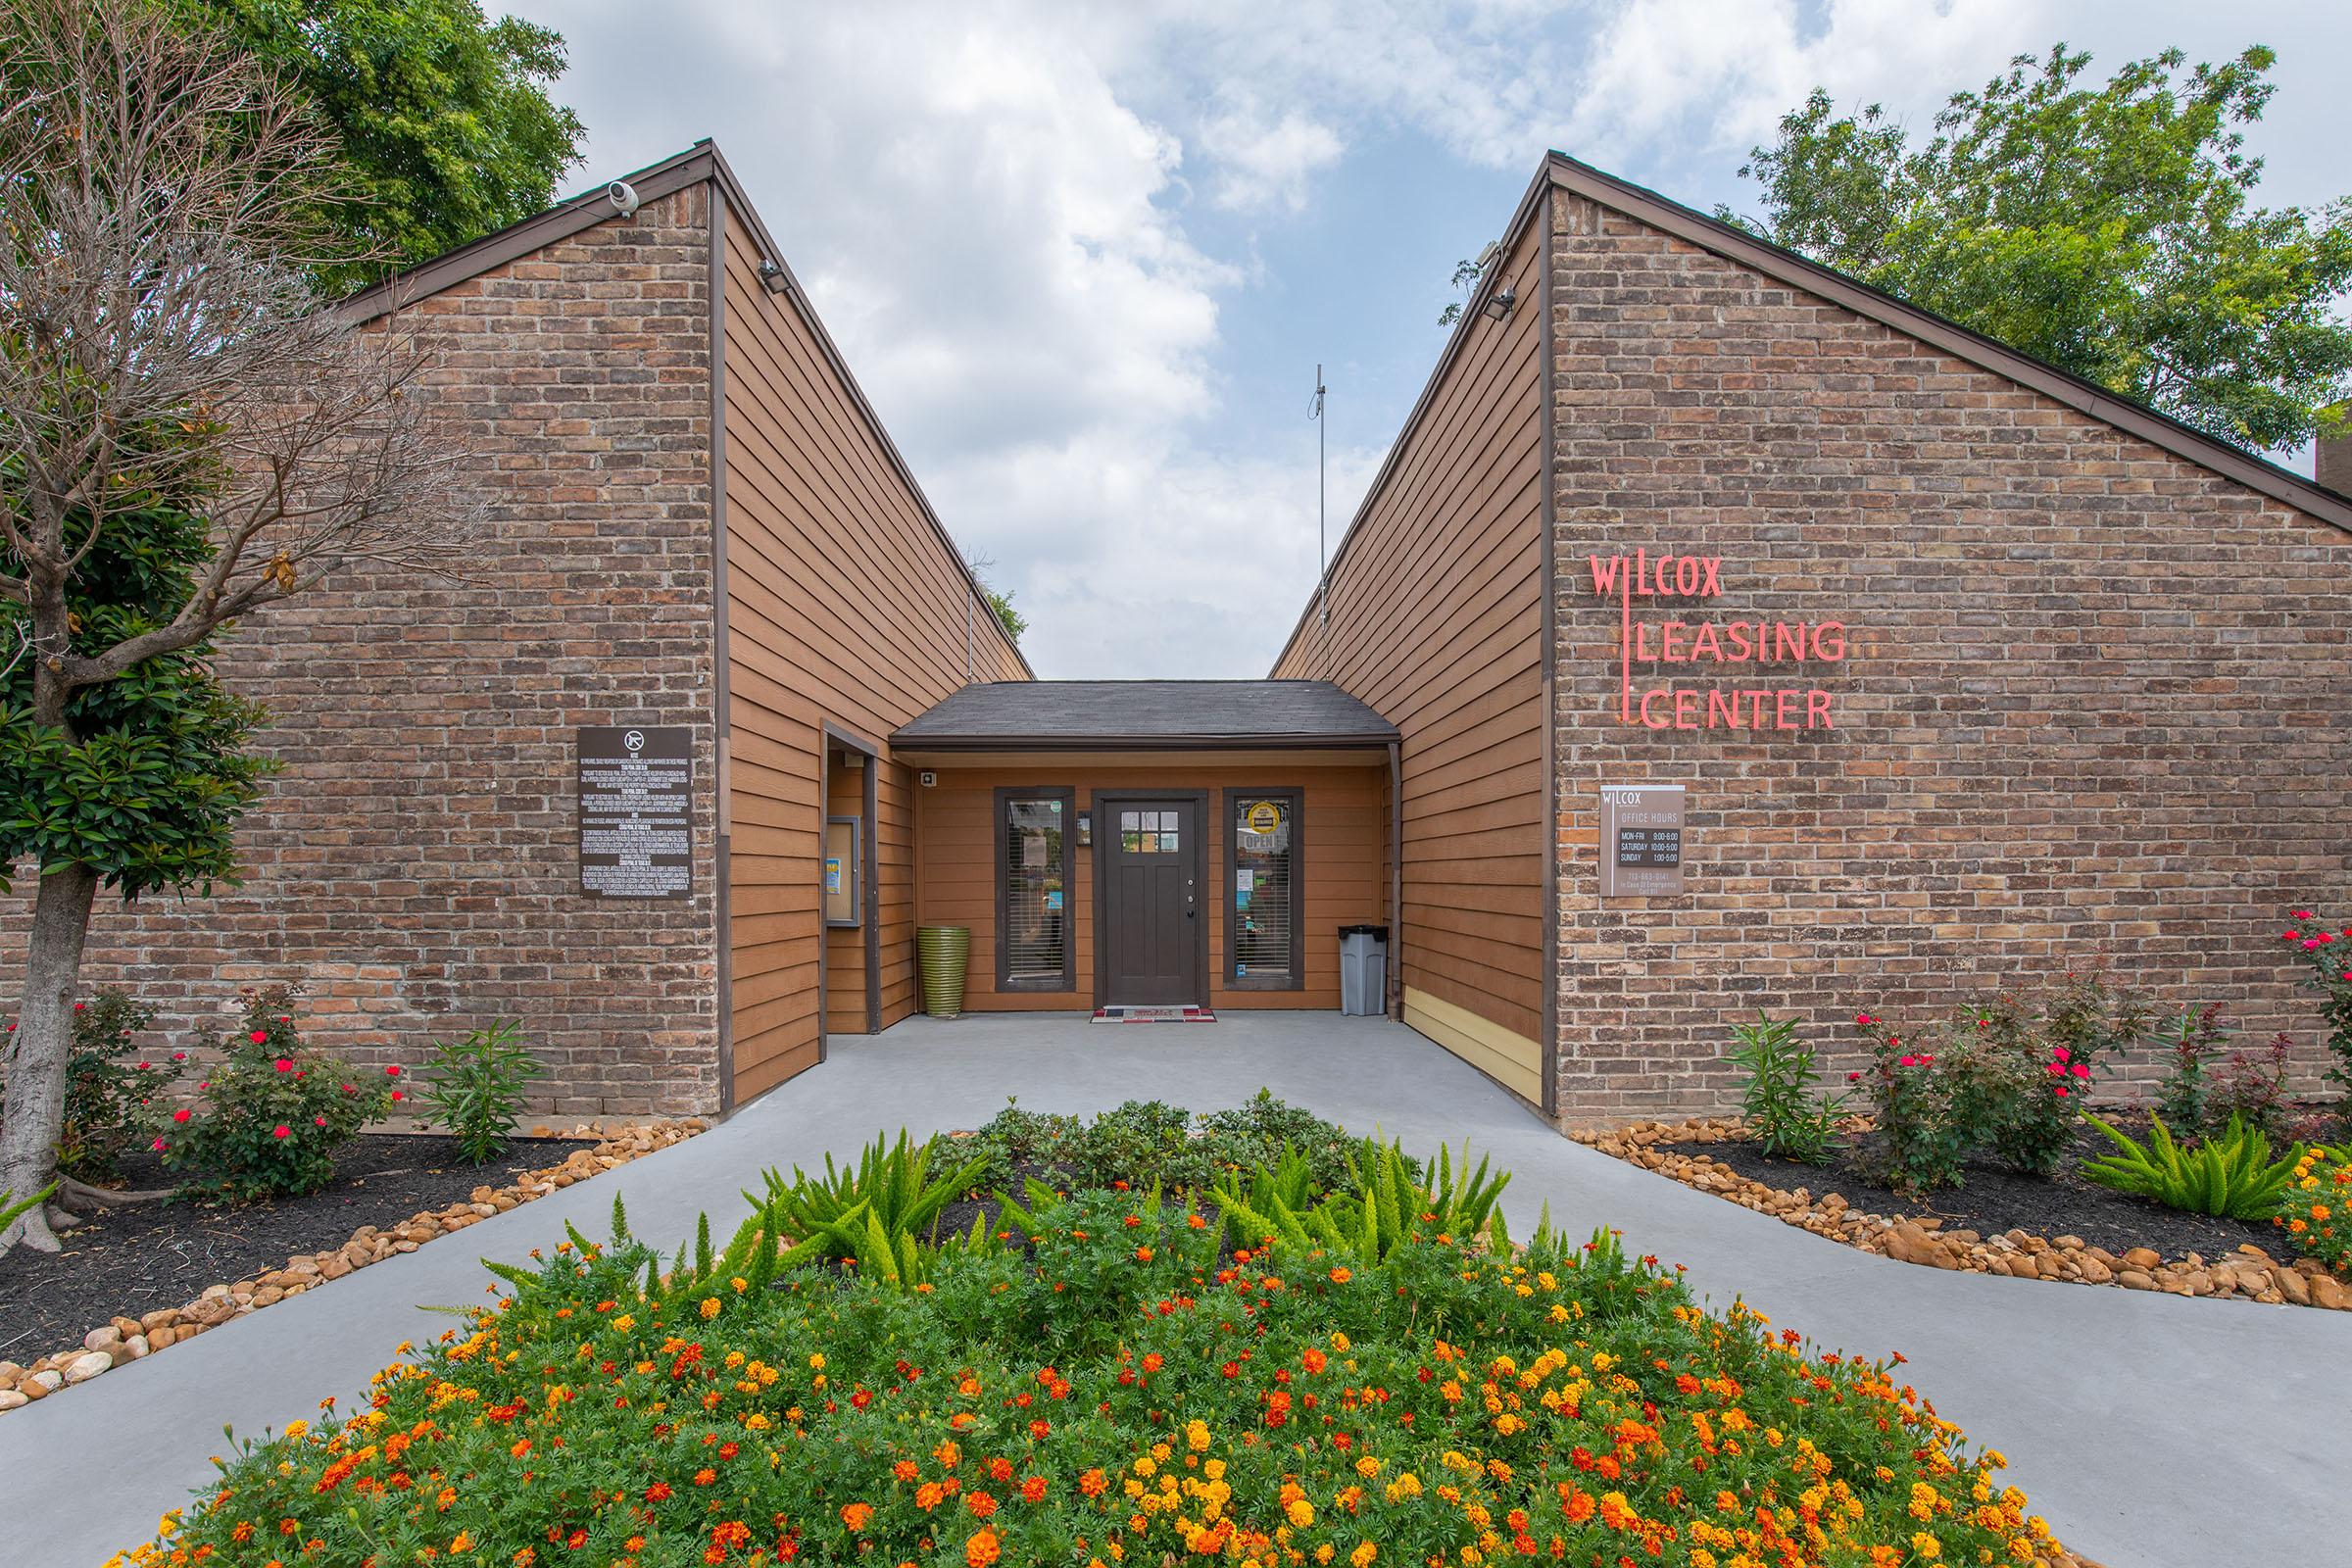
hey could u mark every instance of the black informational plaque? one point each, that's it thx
(637, 811)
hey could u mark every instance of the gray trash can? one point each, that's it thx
(1364, 970)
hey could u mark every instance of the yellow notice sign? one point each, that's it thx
(1264, 816)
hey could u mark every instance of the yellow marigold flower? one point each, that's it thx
(1363, 1554)
(709, 1307)
(1928, 1547)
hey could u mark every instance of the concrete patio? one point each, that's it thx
(2150, 1430)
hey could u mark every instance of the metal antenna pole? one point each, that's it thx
(1322, 547)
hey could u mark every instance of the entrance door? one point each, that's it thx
(1150, 930)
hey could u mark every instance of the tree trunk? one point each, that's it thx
(38, 1049)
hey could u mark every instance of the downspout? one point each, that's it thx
(1396, 997)
(1548, 1053)
(723, 926)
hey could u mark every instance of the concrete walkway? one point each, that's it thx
(2150, 1430)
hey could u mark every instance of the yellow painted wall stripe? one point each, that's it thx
(1511, 1060)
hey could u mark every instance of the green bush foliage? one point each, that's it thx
(474, 1087)
(103, 1092)
(2327, 956)
(1117, 1389)
(2004, 1079)
(873, 1215)
(1777, 1102)
(1149, 1142)
(272, 1114)
(1388, 1201)
(2231, 1173)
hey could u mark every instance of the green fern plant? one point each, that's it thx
(2231, 1173)
(874, 1215)
(1392, 1196)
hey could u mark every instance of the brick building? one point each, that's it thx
(1969, 672)
(698, 531)
(1890, 665)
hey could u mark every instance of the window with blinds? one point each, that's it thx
(1262, 937)
(1033, 877)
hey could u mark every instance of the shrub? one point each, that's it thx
(2231, 1173)
(874, 1215)
(1921, 1141)
(1392, 1201)
(103, 1093)
(1777, 1102)
(474, 1087)
(1147, 1143)
(2316, 1208)
(2191, 1042)
(2251, 1087)
(1015, 1138)
(272, 1114)
(1119, 1394)
(2328, 969)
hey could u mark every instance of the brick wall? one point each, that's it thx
(2093, 706)
(415, 861)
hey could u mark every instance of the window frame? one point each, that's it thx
(1005, 796)
(1229, 804)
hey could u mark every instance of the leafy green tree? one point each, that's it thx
(2110, 230)
(442, 116)
(1011, 619)
(185, 441)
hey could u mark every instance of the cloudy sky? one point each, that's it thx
(1084, 261)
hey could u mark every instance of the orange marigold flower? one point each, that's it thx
(905, 1470)
(1340, 1276)
(1092, 1482)
(856, 1514)
(980, 1503)
(982, 1550)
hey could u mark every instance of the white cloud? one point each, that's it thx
(1001, 210)
(1266, 162)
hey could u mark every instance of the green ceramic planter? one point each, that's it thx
(943, 955)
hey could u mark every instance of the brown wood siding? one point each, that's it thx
(1345, 833)
(1436, 621)
(843, 606)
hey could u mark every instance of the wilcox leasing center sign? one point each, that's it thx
(1698, 644)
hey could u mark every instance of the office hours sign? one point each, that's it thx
(1640, 840)
(637, 811)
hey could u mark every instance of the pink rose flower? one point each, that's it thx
(2082, 1069)
(258, 1035)
(283, 1064)
(281, 1130)
(391, 1072)
(2061, 1089)
(159, 1144)
(181, 1115)
(318, 1121)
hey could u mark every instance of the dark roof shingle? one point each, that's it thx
(1013, 714)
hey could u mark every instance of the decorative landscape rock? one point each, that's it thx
(2250, 1272)
(129, 1339)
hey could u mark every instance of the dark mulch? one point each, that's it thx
(1994, 1200)
(143, 1257)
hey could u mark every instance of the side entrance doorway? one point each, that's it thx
(1150, 932)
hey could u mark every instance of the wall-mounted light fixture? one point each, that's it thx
(1499, 303)
(771, 274)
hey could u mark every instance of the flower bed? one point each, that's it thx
(1110, 1389)
(2247, 1268)
(130, 1338)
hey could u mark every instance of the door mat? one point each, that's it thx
(1154, 1015)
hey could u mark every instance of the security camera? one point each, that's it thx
(623, 197)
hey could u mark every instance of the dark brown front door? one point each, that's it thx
(1151, 920)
